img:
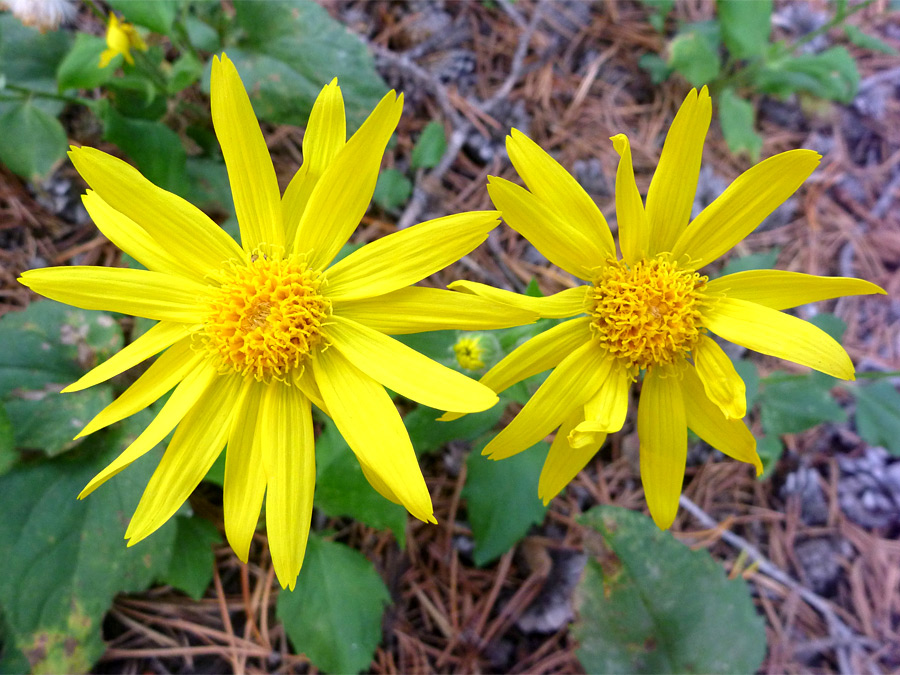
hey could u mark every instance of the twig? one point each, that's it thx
(844, 637)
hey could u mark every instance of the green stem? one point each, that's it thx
(26, 91)
(821, 30)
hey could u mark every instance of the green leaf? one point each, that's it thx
(878, 415)
(695, 52)
(755, 261)
(305, 49)
(746, 26)
(81, 67)
(32, 140)
(429, 435)
(8, 455)
(798, 404)
(830, 75)
(738, 119)
(202, 35)
(656, 66)
(770, 450)
(46, 347)
(660, 10)
(157, 15)
(392, 190)
(65, 560)
(750, 375)
(156, 149)
(866, 41)
(30, 58)
(430, 147)
(185, 71)
(191, 568)
(334, 614)
(135, 96)
(649, 604)
(503, 499)
(835, 326)
(343, 491)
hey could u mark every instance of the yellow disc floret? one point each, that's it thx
(648, 313)
(267, 316)
(469, 352)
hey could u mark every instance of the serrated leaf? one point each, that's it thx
(157, 15)
(878, 415)
(795, 405)
(502, 499)
(305, 49)
(65, 560)
(651, 605)
(32, 140)
(191, 568)
(738, 120)
(429, 435)
(831, 75)
(155, 149)
(343, 491)
(695, 52)
(866, 41)
(392, 190)
(746, 26)
(46, 347)
(764, 260)
(334, 614)
(430, 147)
(80, 69)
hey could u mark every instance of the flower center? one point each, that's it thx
(647, 314)
(267, 316)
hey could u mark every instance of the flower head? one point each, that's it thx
(121, 37)
(648, 314)
(45, 15)
(253, 334)
(470, 352)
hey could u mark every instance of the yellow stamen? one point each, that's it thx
(267, 316)
(469, 353)
(647, 314)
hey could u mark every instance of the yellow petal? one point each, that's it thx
(662, 430)
(774, 333)
(634, 232)
(563, 461)
(606, 410)
(371, 425)
(408, 256)
(257, 199)
(180, 228)
(560, 305)
(245, 476)
(542, 352)
(134, 240)
(194, 448)
(744, 205)
(167, 371)
(405, 370)
(722, 384)
(306, 381)
(106, 56)
(159, 337)
(379, 485)
(152, 295)
(552, 184)
(191, 389)
(705, 418)
(289, 457)
(415, 309)
(674, 184)
(326, 134)
(776, 289)
(543, 224)
(341, 196)
(566, 389)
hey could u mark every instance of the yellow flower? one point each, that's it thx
(253, 333)
(650, 312)
(120, 38)
(469, 352)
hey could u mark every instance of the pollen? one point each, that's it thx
(469, 353)
(647, 314)
(266, 317)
